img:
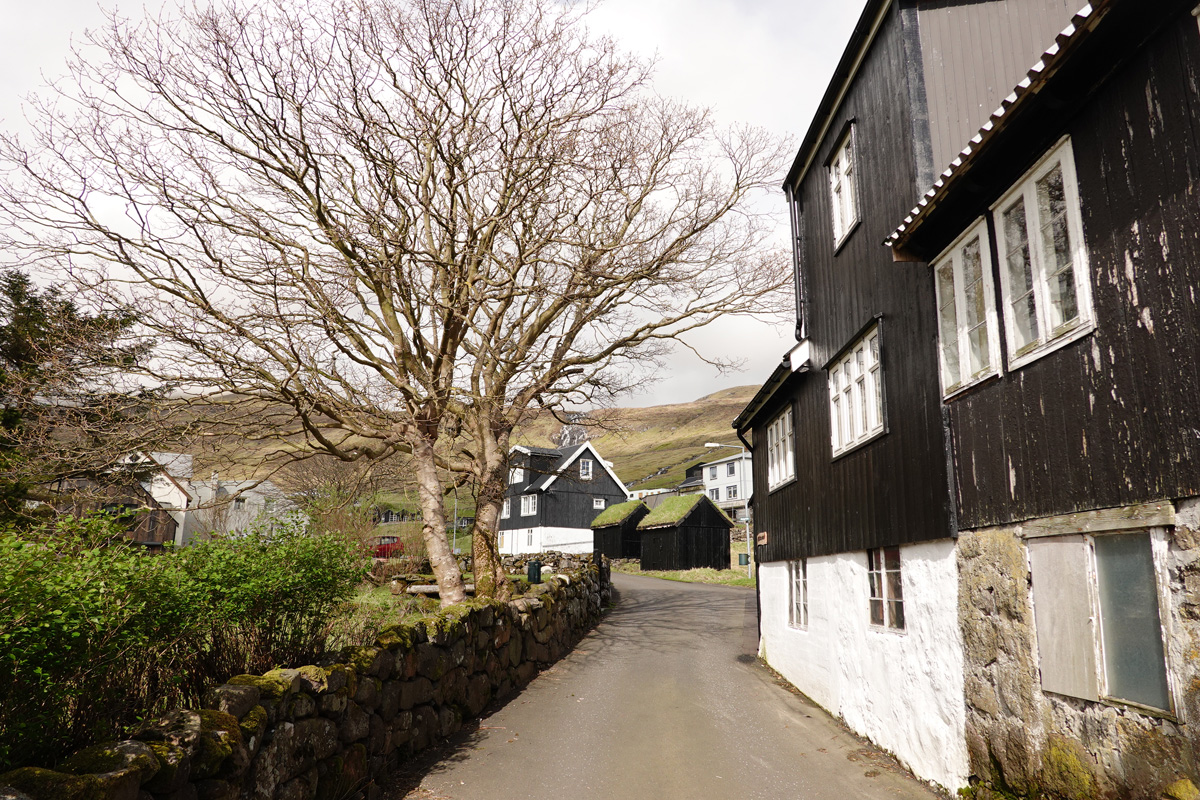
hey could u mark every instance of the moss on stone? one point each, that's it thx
(1065, 772)
(397, 637)
(45, 784)
(1182, 789)
(270, 687)
(219, 734)
(253, 723)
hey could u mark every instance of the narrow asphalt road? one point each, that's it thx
(664, 699)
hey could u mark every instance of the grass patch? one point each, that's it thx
(722, 577)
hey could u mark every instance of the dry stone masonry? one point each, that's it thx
(327, 731)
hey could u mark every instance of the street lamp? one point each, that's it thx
(745, 498)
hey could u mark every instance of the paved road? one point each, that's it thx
(663, 700)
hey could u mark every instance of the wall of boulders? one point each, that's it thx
(330, 730)
(1027, 743)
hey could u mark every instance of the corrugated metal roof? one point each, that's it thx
(1083, 21)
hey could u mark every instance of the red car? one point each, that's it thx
(387, 547)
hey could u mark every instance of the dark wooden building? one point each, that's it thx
(1063, 244)
(616, 529)
(552, 498)
(685, 532)
(853, 500)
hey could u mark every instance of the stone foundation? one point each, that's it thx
(330, 730)
(1024, 742)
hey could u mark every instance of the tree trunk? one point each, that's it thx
(433, 516)
(490, 580)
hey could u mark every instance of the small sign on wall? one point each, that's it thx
(761, 538)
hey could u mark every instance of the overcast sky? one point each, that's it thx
(764, 62)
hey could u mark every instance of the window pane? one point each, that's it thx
(1129, 620)
(1020, 274)
(895, 614)
(948, 322)
(1056, 247)
(876, 612)
(975, 309)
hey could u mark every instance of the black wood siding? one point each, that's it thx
(1114, 418)
(895, 489)
(568, 503)
(701, 539)
(622, 540)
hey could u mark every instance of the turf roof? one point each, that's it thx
(671, 510)
(614, 515)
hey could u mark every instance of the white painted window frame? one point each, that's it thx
(585, 469)
(714, 494)
(843, 189)
(516, 475)
(781, 450)
(856, 408)
(953, 378)
(798, 594)
(878, 556)
(528, 505)
(731, 492)
(731, 469)
(506, 509)
(598, 502)
(1050, 338)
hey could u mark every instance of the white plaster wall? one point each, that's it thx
(565, 540)
(902, 690)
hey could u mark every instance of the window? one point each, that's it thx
(731, 493)
(781, 461)
(585, 469)
(842, 189)
(528, 505)
(529, 538)
(1043, 265)
(239, 503)
(1096, 612)
(967, 326)
(798, 583)
(887, 589)
(712, 473)
(516, 475)
(731, 469)
(501, 542)
(506, 509)
(597, 502)
(856, 394)
(715, 494)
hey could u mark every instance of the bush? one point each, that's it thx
(96, 633)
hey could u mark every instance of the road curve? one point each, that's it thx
(663, 700)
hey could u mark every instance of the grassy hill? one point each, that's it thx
(653, 446)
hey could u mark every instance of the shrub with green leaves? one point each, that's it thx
(95, 632)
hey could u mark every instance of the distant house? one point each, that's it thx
(553, 496)
(685, 532)
(225, 506)
(616, 529)
(728, 483)
(693, 480)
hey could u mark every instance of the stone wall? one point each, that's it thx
(1024, 742)
(328, 731)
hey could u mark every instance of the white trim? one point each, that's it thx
(843, 188)
(954, 255)
(529, 505)
(1049, 337)
(546, 483)
(855, 388)
(781, 449)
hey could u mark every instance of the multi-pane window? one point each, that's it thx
(506, 509)
(528, 505)
(597, 502)
(712, 473)
(1043, 264)
(529, 538)
(781, 461)
(842, 190)
(887, 589)
(515, 475)
(731, 493)
(967, 324)
(1098, 619)
(798, 590)
(715, 494)
(585, 469)
(856, 394)
(731, 469)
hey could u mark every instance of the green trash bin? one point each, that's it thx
(743, 559)
(533, 571)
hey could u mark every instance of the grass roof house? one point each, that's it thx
(685, 532)
(616, 529)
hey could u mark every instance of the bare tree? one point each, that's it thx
(399, 225)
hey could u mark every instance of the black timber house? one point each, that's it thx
(553, 495)
(685, 532)
(616, 530)
(855, 512)
(1063, 242)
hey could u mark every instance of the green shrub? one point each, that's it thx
(96, 632)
